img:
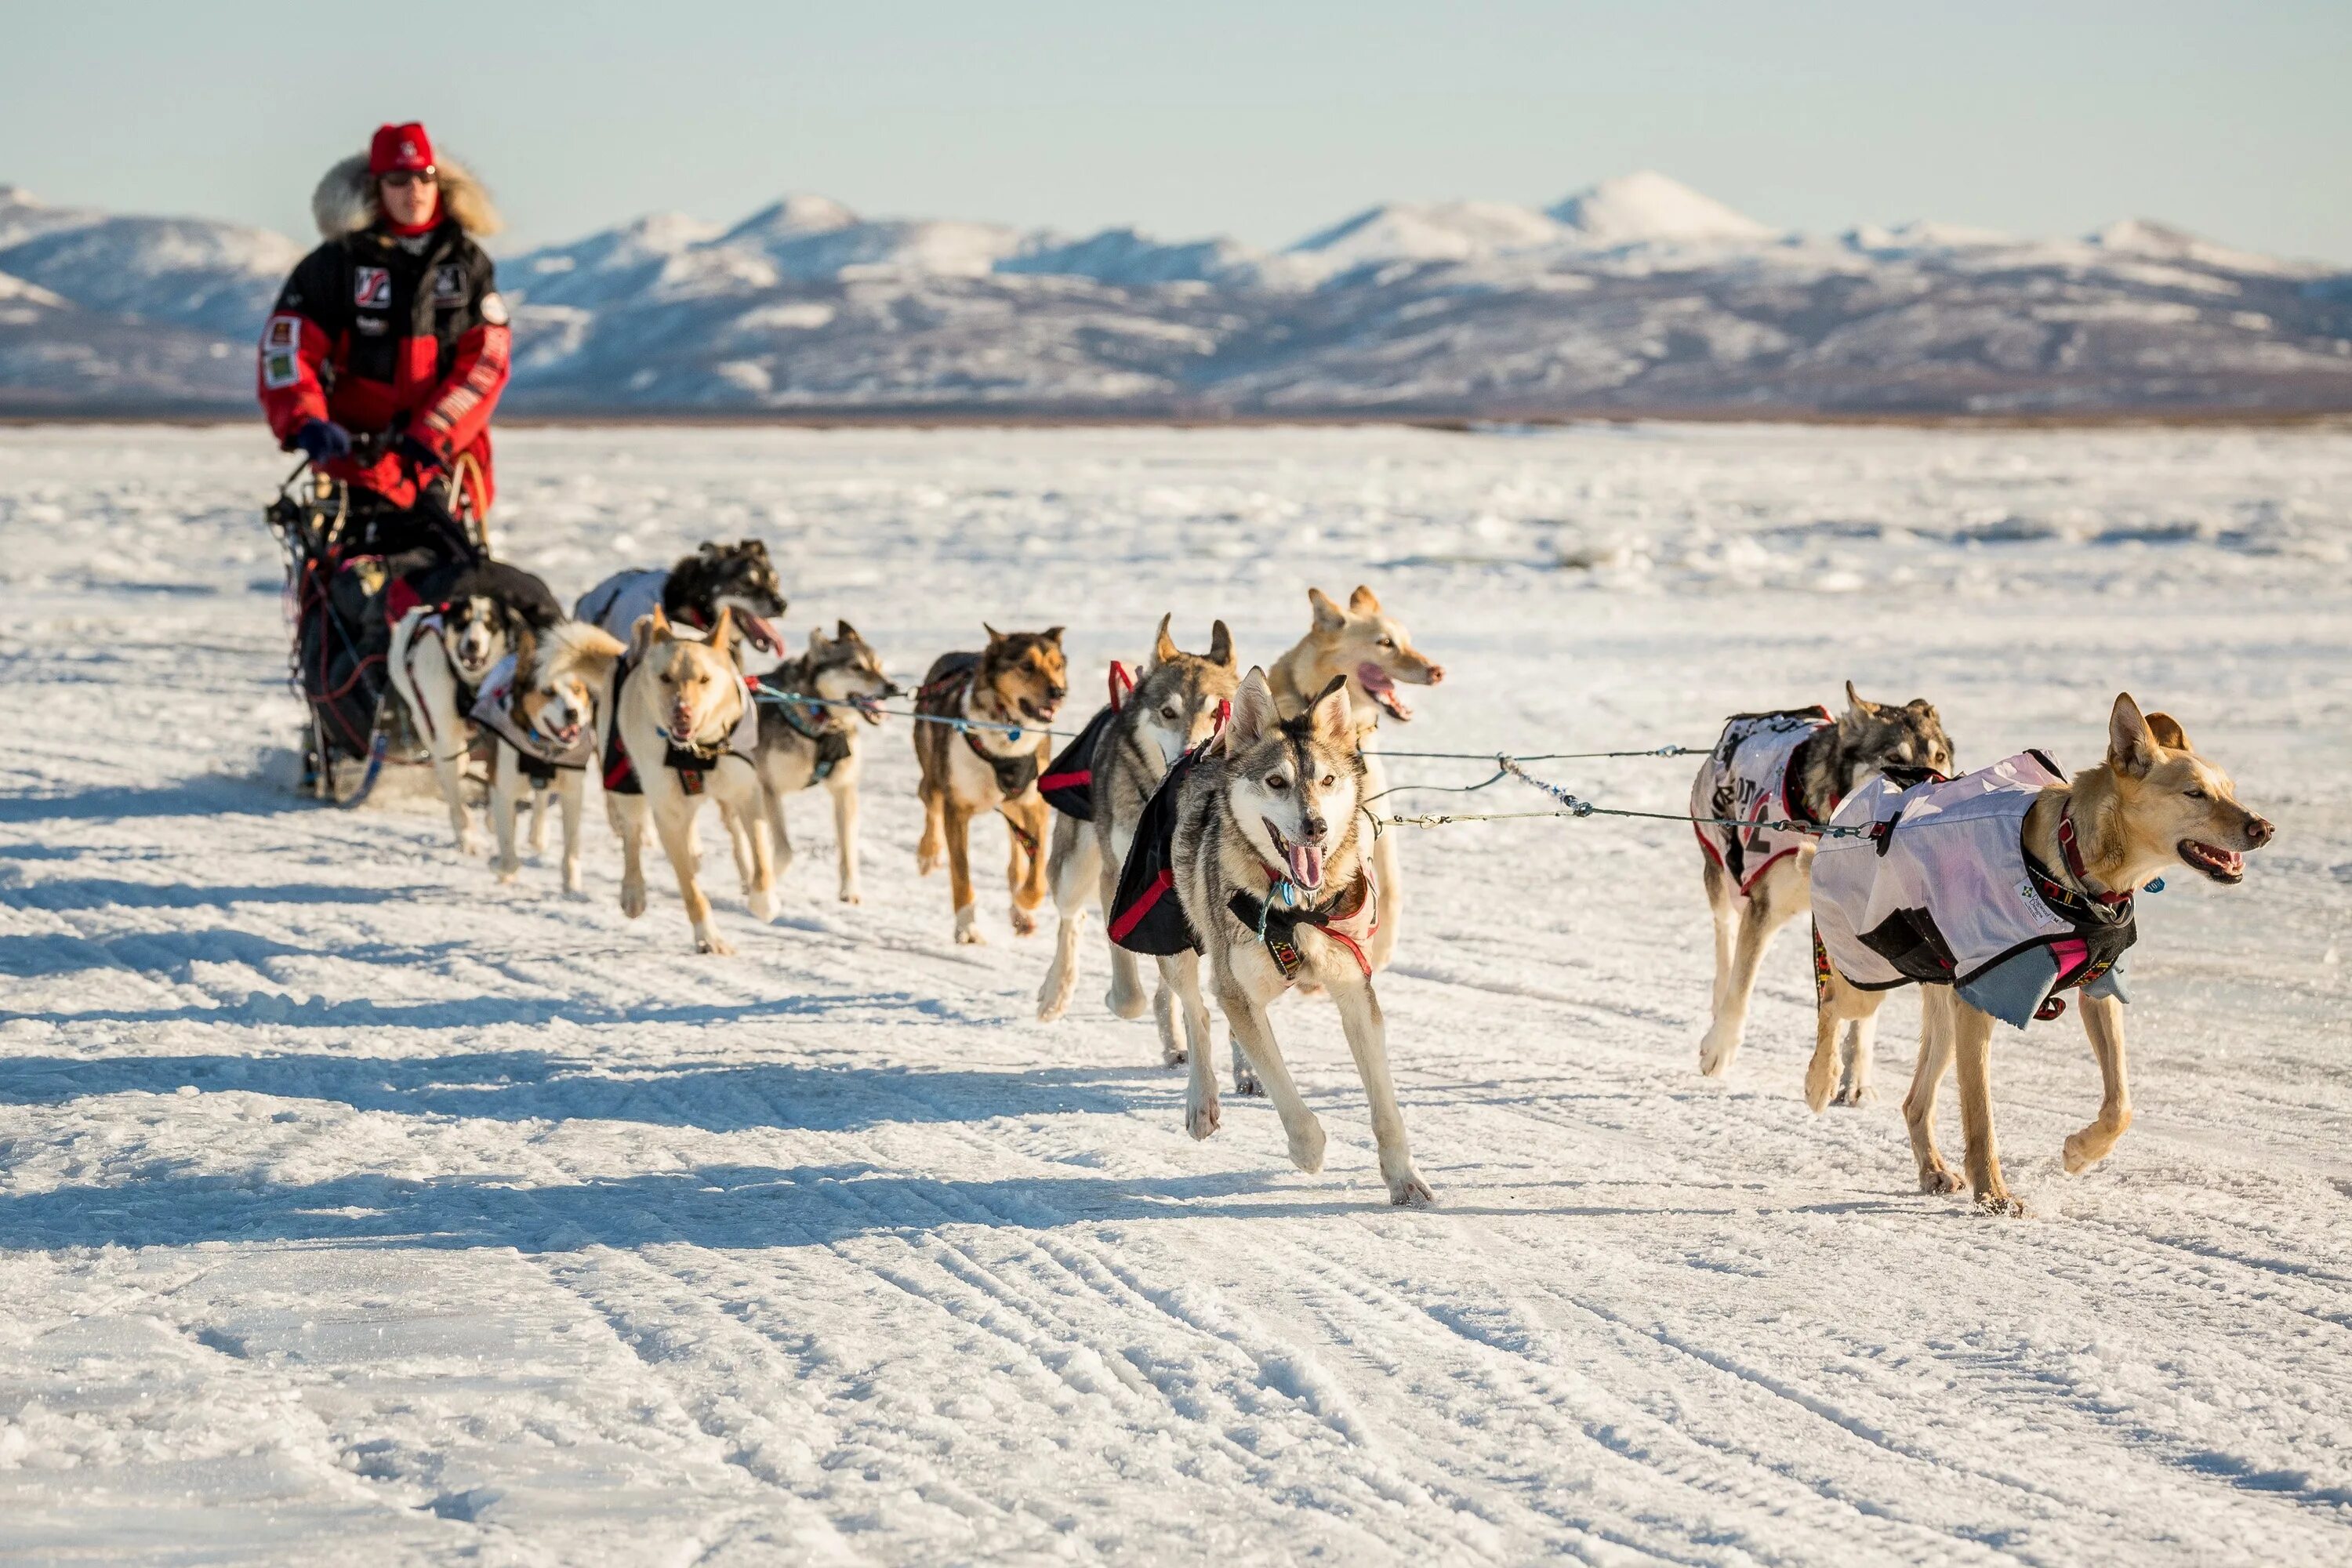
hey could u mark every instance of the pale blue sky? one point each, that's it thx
(1263, 121)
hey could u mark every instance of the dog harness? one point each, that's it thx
(1067, 783)
(689, 760)
(946, 695)
(1146, 917)
(1752, 776)
(540, 756)
(412, 629)
(830, 736)
(1944, 891)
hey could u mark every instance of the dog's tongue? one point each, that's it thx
(763, 634)
(1382, 690)
(1306, 866)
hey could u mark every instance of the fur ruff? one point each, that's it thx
(345, 201)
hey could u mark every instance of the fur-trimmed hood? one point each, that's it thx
(346, 202)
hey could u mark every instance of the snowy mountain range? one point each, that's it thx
(1637, 294)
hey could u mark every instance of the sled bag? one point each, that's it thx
(1146, 916)
(339, 643)
(1068, 781)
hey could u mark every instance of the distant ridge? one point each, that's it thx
(1633, 294)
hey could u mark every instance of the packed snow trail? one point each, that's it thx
(355, 1208)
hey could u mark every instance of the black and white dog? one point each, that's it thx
(441, 653)
(691, 593)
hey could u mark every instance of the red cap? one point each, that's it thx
(399, 147)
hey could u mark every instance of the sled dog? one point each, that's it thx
(543, 704)
(816, 743)
(1367, 646)
(691, 593)
(1270, 875)
(1175, 705)
(1997, 891)
(684, 717)
(1795, 765)
(440, 654)
(1013, 687)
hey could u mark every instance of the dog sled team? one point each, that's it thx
(1216, 821)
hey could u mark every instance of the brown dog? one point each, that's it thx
(1008, 692)
(1952, 873)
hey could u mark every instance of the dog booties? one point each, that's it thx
(494, 709)
(1751, 777)
(1943, 891)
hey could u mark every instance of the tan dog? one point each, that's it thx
(2154, 805)
(1375, 654)
(1010, 692)
(544, 715)
(687, 718)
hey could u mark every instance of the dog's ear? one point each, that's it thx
(1220, 646)
(1054, 635)
(2131, 750)
(1363, 601)
(844, 632)
(723, 631)
(647, 627)
(816, 639)
(2168, 732)
(995, 637)
(1163, 647)
(1253, 715)
(1334, 715)
(1328, 615)
(758, 547)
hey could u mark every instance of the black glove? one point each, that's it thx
(422, 458)
(323, 440)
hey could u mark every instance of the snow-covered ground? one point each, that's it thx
(354, 1210)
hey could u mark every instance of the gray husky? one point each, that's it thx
(1793, 766)
(816, 743)
(1271, 872)
(1173, 708)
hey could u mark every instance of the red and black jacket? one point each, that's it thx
(382, 334)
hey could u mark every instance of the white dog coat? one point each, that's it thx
(1943, 891)
(1746, 777)
(494, 708)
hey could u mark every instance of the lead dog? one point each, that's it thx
(684, 714)
(1005, 695)
(1997, 891)
(1370, 649)
(1270, 875)
(542, 703)
(1174, 707)
(815, 741)
(440, 654)
(1790, 766)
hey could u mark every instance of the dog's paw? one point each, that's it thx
(1855, 1094)
(711, 943)
(508, 870)
(1245, 1083)
(1124, 1003)
(764, 905)
(1307, 1145)
(1407, 1190)
(633, 900)
(1997, 1201)
(852, 896)
(929, 860)
(575, 892)
(1715, 1053)
(469, 845)
(1024, 922)
(1939, 1178)
(968, 936)
(1202, 1118)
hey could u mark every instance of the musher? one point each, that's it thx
(383, 361)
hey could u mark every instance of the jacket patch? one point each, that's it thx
(280, 368)
(448, 283)
(493, 309)
(283, 332)
(371, 287)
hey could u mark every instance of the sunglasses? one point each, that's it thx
(401, 178)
